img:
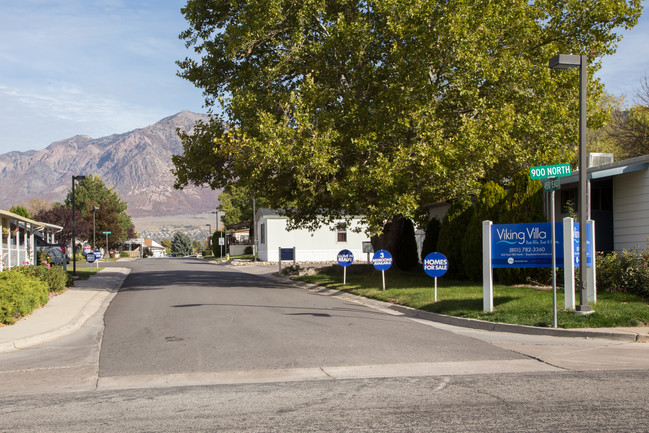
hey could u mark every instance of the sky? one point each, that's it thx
(99, 67)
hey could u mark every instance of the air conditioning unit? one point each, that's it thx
(595, 159)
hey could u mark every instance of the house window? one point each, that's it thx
(341, 231)
(262, 233)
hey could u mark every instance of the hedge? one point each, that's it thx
(20, 294)
(56, 278)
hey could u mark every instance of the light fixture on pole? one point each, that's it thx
(94, 209)
(74, 224)
(568, 61)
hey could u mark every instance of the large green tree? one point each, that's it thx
(111, 215)
(237, 204)
(347, 107)
(629, 129)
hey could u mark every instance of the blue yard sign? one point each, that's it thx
(382, 260)
(435, 265)
(90, 257)
(287, 254)
(345, 258)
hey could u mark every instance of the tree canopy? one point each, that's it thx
(350, 107)
(62, 216)
(20, 210)
(236, 204)
(111, 215)
(629, 129)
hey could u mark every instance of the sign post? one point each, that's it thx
(549, 175)
(97, 253)
(382, 260)
(345, 258)
(107, 233)
(435, 265)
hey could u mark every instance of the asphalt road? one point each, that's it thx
(533, 402)
(187, 315)
(192, 346)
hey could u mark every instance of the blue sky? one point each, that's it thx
(70, 67)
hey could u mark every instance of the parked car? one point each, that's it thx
(57, 252)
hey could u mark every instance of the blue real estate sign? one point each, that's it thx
(435, 264)
(530, 245)
(345, 258)
(382, 260)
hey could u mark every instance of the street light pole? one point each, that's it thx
(218, 228)
(94, 229)
(74, 224)
(566, 61)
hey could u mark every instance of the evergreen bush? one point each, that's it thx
(487, 206)
(432, 236)
(216, 248)
(451, 235)
(405, 256)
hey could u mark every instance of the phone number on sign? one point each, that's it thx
(528, 250)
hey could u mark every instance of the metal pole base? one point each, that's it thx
(583, 310)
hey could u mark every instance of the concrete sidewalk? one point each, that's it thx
(64, 313)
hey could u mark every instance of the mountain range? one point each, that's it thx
(137, 164)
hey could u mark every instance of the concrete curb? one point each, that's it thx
(98, 302)
(468, 323)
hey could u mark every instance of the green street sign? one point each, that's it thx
(551, 184)
(546, 171)
(106, 233)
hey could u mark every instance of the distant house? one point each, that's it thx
(155, 248)
(321, 245)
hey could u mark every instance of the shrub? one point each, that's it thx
(216, 248)
(432, 236)
(405, 256)
(20, 294)
(206, 253)
(487, 206)
(54, 276)
(248, 250)
(627, 273)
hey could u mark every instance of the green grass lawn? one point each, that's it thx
(512, 304)
(84, 272)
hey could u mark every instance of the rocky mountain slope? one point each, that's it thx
(137, 164)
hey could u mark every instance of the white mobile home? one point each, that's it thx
(18, 245)
(321, 245)
(619, 203)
